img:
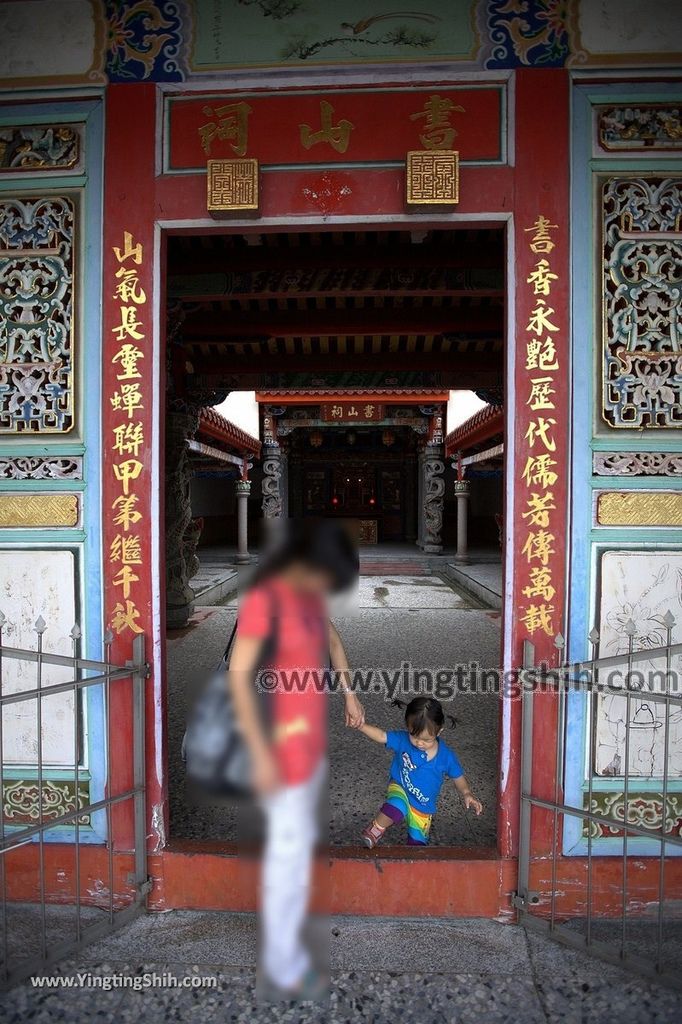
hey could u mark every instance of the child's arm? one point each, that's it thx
(468, 798)
(371, 731)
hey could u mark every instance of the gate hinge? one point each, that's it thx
(522, 901)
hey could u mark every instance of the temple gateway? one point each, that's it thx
(350, 225)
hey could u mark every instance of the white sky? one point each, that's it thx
(242, 409)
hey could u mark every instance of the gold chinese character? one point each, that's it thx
(232, 126)
(338, 136)
(539, 546)
(127, 399)
(438, 133)
(124, 578)
(128, 356)
(537, 471)
(129, 250)
(541, 241)
(127, 514)
(540, 584)
(539, 617)
(540, 391)
(539, 319)
(128, 288)
(369, 412)
(127, 550)
(337, 412)
(127, 471)
(541, 277)
(128, 438)
(128, 325)
(126, 618)
(541, 355)
(539, 430)
(539, 507)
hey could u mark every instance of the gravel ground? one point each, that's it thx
(391, 620)
(383, 971)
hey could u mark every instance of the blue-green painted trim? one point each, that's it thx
(40, 485)
(587, 541)
(87, 541)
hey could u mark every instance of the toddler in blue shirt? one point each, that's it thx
(421, 763)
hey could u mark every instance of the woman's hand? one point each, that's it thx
(264, 773)
(355, 713)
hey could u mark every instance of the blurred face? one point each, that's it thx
(311, 580)
(425, 741)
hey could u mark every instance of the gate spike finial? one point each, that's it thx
(76, 632)
(40, 624)
(669, 619)
(593, 636)
(630, 629)
(559, 641)
(108, 636)
(3, 620)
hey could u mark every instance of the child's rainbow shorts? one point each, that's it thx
(397, 807)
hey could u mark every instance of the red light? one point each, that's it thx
(372, 501)
(335, 501)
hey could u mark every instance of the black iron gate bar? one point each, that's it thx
(584, 676)
(137, 670)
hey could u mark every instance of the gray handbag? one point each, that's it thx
(215, 753)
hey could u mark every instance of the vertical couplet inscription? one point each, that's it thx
(542, 468)
(127, 440)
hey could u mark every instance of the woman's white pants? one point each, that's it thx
(291, 833)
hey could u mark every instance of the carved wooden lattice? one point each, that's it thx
(36, 314)
(642, 302)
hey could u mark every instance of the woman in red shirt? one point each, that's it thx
(285, 637)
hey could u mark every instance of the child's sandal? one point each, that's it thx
(373, 833)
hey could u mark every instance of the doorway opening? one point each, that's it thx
(349, 345)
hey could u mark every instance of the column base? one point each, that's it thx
(432, 549)
(178, 616)
(461, 559)
(242, 559)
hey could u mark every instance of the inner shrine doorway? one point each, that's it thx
(352, 342)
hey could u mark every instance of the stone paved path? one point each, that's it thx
(393, 620)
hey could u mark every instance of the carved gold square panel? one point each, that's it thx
(432, 177)
(232, 185)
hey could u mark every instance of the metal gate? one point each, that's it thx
(60, 874)
(615, 891)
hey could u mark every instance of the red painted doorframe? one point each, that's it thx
(143, 204)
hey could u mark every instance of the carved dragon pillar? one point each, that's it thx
(432, 492)
(181, 537)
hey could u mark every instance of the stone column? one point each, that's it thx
(180, 538)
(272, 475)
(420, 499)
(432, 485)
(462, 494)
(243, 489)
(284, 479)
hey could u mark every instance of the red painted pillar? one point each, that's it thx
(128, 417)
(541, 403)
